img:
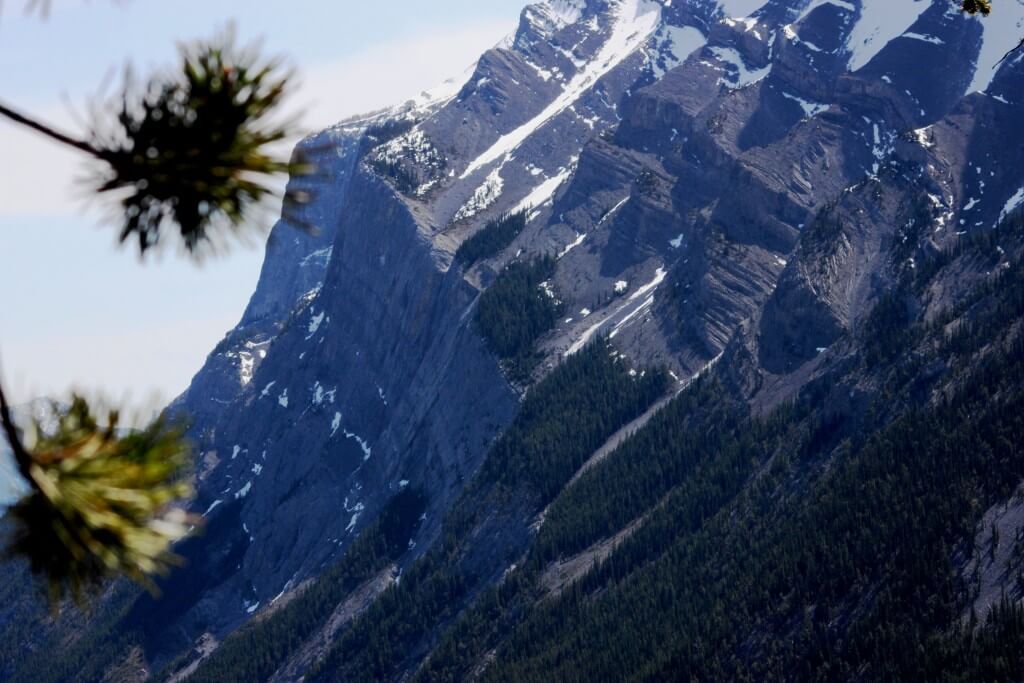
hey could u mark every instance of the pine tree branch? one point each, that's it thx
(47, 130)
(21, 454)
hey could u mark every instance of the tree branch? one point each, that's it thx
(21, 454)
(46, 130)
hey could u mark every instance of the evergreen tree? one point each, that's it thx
(184, 153)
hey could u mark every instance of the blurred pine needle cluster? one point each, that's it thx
(190, 152)
(193, 150)
(983, 7)
(101, 498)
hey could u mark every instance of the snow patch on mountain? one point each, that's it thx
(740, 76)
(880, 22)
(643, 307)
(212, 507)
(483, 197)
(659, 277)
(413, 146)
(543, 193)
(245, 367)
(923, 37)
(566, 12)
(548, 17)
(676, 43)
(791, 36)
(634, 22)
(569, 247)
(922, 136)
(1012, 203)
(314, 323)
(811, 109)
(622, 314)
(363, 444)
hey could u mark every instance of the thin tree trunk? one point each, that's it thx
(21, 455)
(46, 130)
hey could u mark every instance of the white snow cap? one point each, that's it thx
(634, 22)
(566, 12)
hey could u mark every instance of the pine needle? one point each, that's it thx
(190, 154)
(101, 501)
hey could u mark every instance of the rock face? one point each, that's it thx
(8, 475)
(716, 180)
(370, 378)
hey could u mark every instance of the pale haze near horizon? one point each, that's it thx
(83, 314)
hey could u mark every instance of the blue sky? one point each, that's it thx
(82, 313)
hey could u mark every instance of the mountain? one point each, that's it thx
(8, 476)
(12, 486)
(683, 340)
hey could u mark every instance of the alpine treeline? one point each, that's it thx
(260, 648)
(822, 541)
(516, 311)
(825, 539)
(560, 423)
(492, 239)
(563, 420)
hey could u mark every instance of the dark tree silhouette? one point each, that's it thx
(186, 153)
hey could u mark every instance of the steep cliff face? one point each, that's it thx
(352, 374)
(724, 187)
